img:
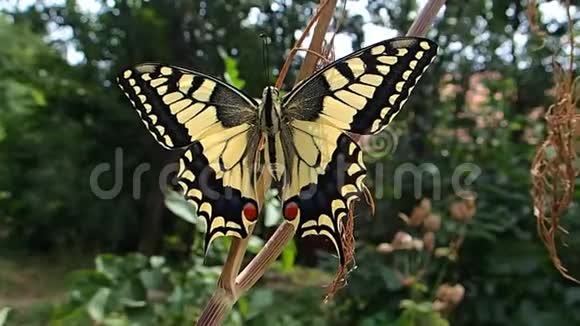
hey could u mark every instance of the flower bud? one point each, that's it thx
(458, 211)
(449, 294)
(456, 294)
(418, 215)
(443, 292)
(408, 281)
(439, 306)
(418, 244)
(402, 240)
(468, 198)
(432, 223)
(429, 241)
(426, 204)
(385, 248)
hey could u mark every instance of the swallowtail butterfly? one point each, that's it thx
(302, 138)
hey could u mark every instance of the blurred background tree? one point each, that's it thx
(481, 103)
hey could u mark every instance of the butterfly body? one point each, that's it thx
(301, 139)
(274, 130)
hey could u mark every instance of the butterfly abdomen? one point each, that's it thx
(271, 124)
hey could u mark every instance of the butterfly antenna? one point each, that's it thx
(265, 57)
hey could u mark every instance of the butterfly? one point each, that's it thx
(301, 139)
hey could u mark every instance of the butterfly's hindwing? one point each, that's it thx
(179, 106)
(327, 175)
(215, 174)
(364, 91)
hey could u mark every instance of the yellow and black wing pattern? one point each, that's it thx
(326, 175)
(179, 106)
(361, 94)
(364, 91)
(182, 108)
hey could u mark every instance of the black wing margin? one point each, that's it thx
(364, 91)
(180, 106)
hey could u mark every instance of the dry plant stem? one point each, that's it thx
(231, 285)
(554, 177)
(233, 263)
(425, 18)
(272, 249)
(326, 13)
(219, 305)
(298, 43)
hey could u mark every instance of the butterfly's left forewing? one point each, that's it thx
(179, 106)
(216, 122)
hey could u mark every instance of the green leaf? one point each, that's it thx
(141, 315)
(97, 305)
(38, 97)
(109, 265)
(76, 316)
(117, 321)
(550, 152)
(391, 279)
(4, 315)
(2, 133)
(244, 306)
(255, 244)
(232, 74)
(289, 255)
(420, 287)
(156, 261)
(180, 207)
(420, 313)
(272, 212)
(572, 296)
(133, 293)
(133, 262)
(576, 162)
(260, 299)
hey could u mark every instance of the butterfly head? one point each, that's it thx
(270, 110)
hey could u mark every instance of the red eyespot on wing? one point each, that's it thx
(250, 212)
(291, 211)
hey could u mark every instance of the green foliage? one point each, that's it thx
(4, 312)
(136, 290)
(415, 314)
(58, 120)
(232, 74)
